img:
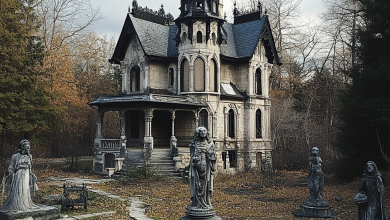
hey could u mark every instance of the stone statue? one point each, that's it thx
(21, 180)
(369, 198)
(315, 206)
(315, 180)
(202, 167)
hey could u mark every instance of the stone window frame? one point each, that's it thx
(199, 37)
(258, 124)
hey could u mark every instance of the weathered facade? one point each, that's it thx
(195, 70)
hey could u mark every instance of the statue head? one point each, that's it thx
(371, 169)
(314, 151)
(201, 133)
(24, 146)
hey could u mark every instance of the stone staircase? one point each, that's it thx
(161, 161)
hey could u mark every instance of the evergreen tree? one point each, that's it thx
(365, 105)
(23, 98)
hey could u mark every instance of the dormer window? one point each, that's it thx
(199, 37)
(199, 5)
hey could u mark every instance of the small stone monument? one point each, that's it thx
(20, 184)
(315, 206)
(369, 198)
(201, 174)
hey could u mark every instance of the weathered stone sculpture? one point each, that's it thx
(315, 206)
(369, 198)
(202, 167)
(21, 185)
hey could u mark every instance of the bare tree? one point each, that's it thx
(65, 18)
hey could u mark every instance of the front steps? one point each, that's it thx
(160, 163)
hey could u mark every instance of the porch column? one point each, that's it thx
(100, 122)
(148, 139)
(173, 142)
(123, 129)
(196, 119)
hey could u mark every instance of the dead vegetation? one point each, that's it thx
(243, 196)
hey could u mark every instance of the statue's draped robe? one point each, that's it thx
(202, 166)
(21, 184)
(372, 186)
(315, 183)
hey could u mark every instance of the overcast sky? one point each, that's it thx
(114, 12)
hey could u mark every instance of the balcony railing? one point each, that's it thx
(110, 143)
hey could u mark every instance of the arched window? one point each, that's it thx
(203, 118)
(258, 89)
(213, 76)
(135, 79)
(171, 77)
(258, 124)
(184, 37)
(199, 75)
(184, 76)
(214, 7)
(214, 38)
(231, 124)
(199, 37)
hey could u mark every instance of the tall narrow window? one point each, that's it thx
(135, 79)
(184, 76)
(199, 75)
(258, 124)
(171, 77)
(231, 124)
(258, 82)
(213, 76)
(214, 7)
(203, 118)
(214, 38)
(199, 37)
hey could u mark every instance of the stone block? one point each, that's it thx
(41, 213)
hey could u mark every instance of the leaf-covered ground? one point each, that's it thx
(238, 197)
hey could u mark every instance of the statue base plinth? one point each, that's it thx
(317, 212)
(41, 213)
(203, 218)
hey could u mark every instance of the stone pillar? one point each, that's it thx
(125, 82)
(196, 119)
(123, 129)
(191, 78)
(148, 139)
(207, 78)
(147, 75)
(178, 80)
(100, 124)
(214, 123)
(173, 143)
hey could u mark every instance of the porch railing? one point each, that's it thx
(110, 143)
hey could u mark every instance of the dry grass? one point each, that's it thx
(243, 196)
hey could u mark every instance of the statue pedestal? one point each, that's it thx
(317, 212)
(202, 218)
(41, 213)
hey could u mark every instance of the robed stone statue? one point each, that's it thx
(201, 174)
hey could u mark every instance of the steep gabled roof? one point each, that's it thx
(158, 40)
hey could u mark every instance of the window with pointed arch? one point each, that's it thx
(184, 76)
(199, 75)
(231, 124)
(171, 77)
(213, 76)
(135, 79)
(258, 89)
(204, 118)
(199, 37)
(258, 124)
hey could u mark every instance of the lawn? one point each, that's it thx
(242, 196)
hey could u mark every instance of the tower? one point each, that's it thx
(198, 38)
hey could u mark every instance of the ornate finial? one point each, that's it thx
(135, 5)
(161, 12)
(235, 11)
(128, 10)
(260, 7)
(265, 11)
(224, 16)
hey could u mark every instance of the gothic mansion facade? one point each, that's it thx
(195, 70)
